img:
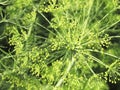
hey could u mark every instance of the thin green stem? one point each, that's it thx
(90, 68)
(108, 54)
(96, 59)
(45, 28)
(66, 73)
(114, 36)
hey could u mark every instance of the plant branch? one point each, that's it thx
(66, 73)
(108, 54)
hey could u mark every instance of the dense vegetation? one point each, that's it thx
(59, 44)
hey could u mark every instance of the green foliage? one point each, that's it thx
(58, 45)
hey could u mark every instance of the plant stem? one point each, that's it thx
(66, 73)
